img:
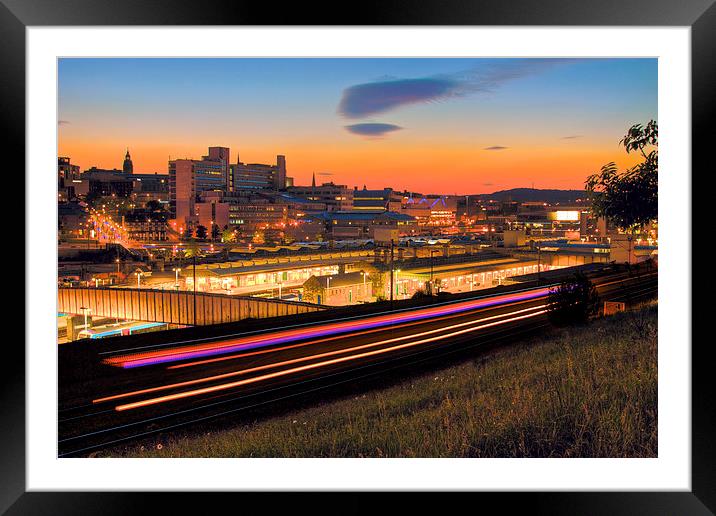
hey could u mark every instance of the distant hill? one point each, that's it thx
(532, 194)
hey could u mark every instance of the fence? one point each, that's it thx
(174, 307)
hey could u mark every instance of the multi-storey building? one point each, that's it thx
(372, 200)
(188, 178)
(145, 225)
(360, 225)
(335, 197)
(431, 210)
(66, 171)
(258, 176)
(72, 219)
(107, 183)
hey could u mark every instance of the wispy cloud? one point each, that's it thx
(63, 122)
(372, 129)
(571, 137)
(496, 147)
(324, 173)
(376, 97)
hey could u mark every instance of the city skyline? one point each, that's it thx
(493, 124)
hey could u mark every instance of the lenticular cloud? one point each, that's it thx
(372, 129)
(378, 97)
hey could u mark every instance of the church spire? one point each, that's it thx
(127, 166)
(313, 182)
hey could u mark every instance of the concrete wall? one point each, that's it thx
(173, 307)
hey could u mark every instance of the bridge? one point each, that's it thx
(174, 307)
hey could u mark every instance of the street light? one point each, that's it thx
(539, 259)
(431, 269)
(84, 311)
(176, 280)
(139, 278)
(117, 262)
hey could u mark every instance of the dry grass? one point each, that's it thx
(579, 392)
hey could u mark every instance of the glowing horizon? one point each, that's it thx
(453, 126)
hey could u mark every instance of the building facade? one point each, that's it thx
(258, 176)
(188, 178)
(335, 197)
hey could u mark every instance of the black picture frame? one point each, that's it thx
(700, 15)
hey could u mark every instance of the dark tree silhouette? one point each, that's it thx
(154, 205)
(201, 232)
(215, 231)
(574, 301)
(629, 199)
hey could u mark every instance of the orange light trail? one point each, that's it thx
(304, 359)
(199, 350)
(312, 342)
(225, 386)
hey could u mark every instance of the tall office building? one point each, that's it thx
(188, 178)
(259, 176)
(221, 155)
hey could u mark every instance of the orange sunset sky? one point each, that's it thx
(427, 125)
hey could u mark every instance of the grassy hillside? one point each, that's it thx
(578, 392)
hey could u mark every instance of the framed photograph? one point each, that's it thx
(419, 248)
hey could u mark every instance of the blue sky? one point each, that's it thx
(380, 118)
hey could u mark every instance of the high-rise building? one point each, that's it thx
(188, 178)
(221, 155)
(127, 166)
(259, 176)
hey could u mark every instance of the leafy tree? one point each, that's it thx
(574, 301)
(228, 236)
(192, 249)
(629, 199)
(187, 233)
(201, 232)
(215, 231)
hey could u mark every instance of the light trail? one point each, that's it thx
(303, 344)
(310, 357)
(209, 349)
(225, 386)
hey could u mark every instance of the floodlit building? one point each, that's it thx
(188, 178)
(339, 289)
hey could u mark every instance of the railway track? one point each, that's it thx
(182, 390)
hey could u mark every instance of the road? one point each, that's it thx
(132, 393)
